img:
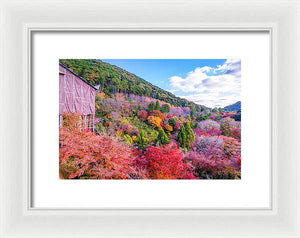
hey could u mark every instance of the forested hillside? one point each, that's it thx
(113, 79)
(233, 107)
(140, 131)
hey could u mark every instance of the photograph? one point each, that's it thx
(150, 119)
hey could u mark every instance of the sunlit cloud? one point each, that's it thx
(212, 87)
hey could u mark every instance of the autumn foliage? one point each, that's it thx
(132, 139)
(143, 115)
(155, 121)
(166, 163)
(86, 155)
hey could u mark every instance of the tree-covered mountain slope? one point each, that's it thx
(233, 107)
(112, 79)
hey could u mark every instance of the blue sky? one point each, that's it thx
(210, 82)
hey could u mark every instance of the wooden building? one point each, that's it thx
(76, 96)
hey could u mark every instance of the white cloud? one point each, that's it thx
(212, 87)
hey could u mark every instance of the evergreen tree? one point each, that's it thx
(151, 106)
(157, 106)
(181, 138)
(237, 117)
(193, 112)
(172, 121)
(186, 136)
(190, 136)
(142, 140)
(162, 138)
(195, 125)
(165, 108)
(202, 117)
(215, 110)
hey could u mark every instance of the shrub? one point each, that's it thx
(177, 125)
(128, 139)
(107, 105)
(155, 121)
(209, 146)
(209, 126)
(166, 163)
(143, 115)
(168, 128)
(206, 168)
(157, 113)
(101, 95)
(87, 155)
(226, 130)
(236, 129)
(226, 120)
(232, 147)
(71, 120)
(115, 115)
(99, 128)
(215, 157)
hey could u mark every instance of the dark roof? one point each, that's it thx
(77, 76)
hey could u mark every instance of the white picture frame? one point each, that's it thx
(17, 22)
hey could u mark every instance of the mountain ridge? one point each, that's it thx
(233, 107)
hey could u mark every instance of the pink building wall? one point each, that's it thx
(75, 95)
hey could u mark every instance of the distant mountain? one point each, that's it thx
(112, 79)
(233, 107)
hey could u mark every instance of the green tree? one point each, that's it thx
(172, 121)
(190, 136)
(215, 110)
(202, 117)
(142, 140)
(226, 130)
(181, 137)
(237, 117)
(162, 138)
(195, 125)
(157, 106)
(151, 106)
(186, 136)
(128, 139)
(165, 108)
(207, 112)
(193, 112)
